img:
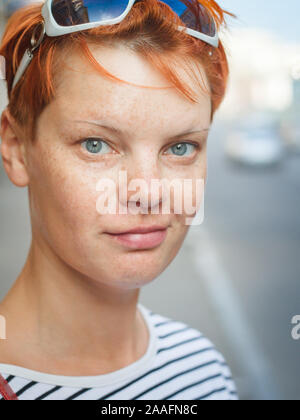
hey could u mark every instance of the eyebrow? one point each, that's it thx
(120, 132)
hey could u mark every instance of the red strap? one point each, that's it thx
(6, 390)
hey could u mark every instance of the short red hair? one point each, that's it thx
(144, 30)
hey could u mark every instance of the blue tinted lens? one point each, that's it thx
(77, 12)
(194, 15)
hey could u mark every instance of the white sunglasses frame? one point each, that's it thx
(52, 29)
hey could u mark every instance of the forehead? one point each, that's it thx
(81, 91)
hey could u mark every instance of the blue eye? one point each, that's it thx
(180, 149)
(95, 146)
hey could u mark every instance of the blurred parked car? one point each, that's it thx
(255, 140)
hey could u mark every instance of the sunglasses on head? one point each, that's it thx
(61, 17)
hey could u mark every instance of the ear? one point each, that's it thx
(12, 150)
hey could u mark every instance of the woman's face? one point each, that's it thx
(65, 167)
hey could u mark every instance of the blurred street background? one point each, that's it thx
(237, 276)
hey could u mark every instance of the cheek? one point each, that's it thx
(192, 180)
(65, 201)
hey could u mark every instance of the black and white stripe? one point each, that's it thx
(184, 366)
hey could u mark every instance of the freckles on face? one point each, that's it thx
(146, 125)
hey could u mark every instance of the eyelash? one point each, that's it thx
(196, 145)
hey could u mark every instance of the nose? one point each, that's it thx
(143, 185)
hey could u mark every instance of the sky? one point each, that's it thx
(279, 16)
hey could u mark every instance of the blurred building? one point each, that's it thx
(260, 72)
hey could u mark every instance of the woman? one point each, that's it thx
(75, 329)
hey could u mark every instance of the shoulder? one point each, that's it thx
(189, 350)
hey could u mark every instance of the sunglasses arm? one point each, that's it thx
(27, 57)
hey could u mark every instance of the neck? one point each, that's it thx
(72, 324)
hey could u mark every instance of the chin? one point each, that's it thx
(131, 277)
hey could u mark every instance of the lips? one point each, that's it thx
(141, 237)
(140, 229)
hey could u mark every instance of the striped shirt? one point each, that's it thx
(179, 364)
